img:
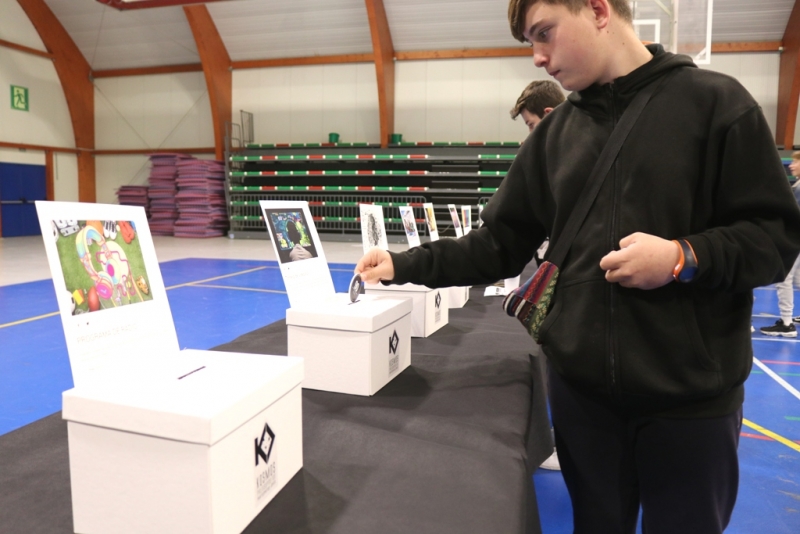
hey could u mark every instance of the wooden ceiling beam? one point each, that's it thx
(216, 68)
(142, 71)
(75, 75)
(301, 61)
(26, 49)
(383, 55)
(789, 81)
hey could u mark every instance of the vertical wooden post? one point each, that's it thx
(216, 68)
(49, 186)
(383, 54)
(76, 81)
(789, 81)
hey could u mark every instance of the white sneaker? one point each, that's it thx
(551, 463)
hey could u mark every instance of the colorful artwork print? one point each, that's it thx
(102, 264)
(430, 218)
(290, 232)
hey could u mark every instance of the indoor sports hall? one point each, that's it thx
(197, 112)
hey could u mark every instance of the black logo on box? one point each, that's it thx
(265, 471)
(264, 447)
(394, 358)
(438, 300)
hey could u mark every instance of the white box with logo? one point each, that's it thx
(354, 348)
(430, 306)
(458, 296)
(201, 446)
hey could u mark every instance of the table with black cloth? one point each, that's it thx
(448, 446)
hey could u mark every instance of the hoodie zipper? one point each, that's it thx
(612, 245)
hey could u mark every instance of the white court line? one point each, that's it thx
(776, 338)
(786, 385)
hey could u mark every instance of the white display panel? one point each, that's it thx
(456, 220)
(108, 285)
(410, 225)
(373, 229)
(299, 251)
(430, 220)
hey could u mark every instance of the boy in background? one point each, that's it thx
(784, 326)
(538, 99)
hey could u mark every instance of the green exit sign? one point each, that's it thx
(19, 98)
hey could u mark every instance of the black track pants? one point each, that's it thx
(683, 472)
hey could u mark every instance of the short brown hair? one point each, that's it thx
(539, 95)
(517, 9)
(796, 155)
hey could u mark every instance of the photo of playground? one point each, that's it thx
(102, 264)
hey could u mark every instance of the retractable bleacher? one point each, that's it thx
(336, 177)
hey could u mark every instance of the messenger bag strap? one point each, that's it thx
(592, 186)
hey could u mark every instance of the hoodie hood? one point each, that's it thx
(595, 97)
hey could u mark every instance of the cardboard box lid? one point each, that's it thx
(368, 314)
(405, 288)
(195, 396)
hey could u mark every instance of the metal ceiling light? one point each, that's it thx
(124, 5)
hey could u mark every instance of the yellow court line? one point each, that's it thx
(29, 319)
(771, 434)
(241, 288)
(45, 316)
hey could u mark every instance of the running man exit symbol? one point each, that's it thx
(19, 98)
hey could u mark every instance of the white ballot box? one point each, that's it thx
(430, 311)
(199, 445)
(458, 296)
(351, 347)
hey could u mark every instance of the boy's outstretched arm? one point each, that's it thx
(375, 265)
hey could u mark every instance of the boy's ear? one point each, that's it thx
(546, 111)
(602, 12)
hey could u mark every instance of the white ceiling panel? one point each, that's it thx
(746, 20)
(260, 29)
(449, 24)
(111, 39)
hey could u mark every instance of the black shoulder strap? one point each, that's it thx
(592, 186)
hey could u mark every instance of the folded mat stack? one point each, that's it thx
(134, 195)
(163, 211)
(201, 199)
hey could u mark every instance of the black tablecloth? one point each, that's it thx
(447, 447)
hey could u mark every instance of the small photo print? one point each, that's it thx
(102, 264)
(289, 230)
(430, 218)
(409, 223)
(454, 216)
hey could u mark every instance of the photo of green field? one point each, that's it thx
(102, 264)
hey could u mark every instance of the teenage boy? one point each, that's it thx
(538, 99)
(784, 326)
(647, 360)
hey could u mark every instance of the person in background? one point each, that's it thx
(784, 327)
(538, 99)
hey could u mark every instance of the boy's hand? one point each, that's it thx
(376, 265)
(644, 261)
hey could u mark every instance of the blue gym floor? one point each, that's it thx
(214, 301)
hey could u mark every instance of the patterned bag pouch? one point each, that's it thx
(531, 301)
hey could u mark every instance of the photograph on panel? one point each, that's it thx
(289, 230)
(102, 264)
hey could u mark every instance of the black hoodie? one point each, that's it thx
(699, 164)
